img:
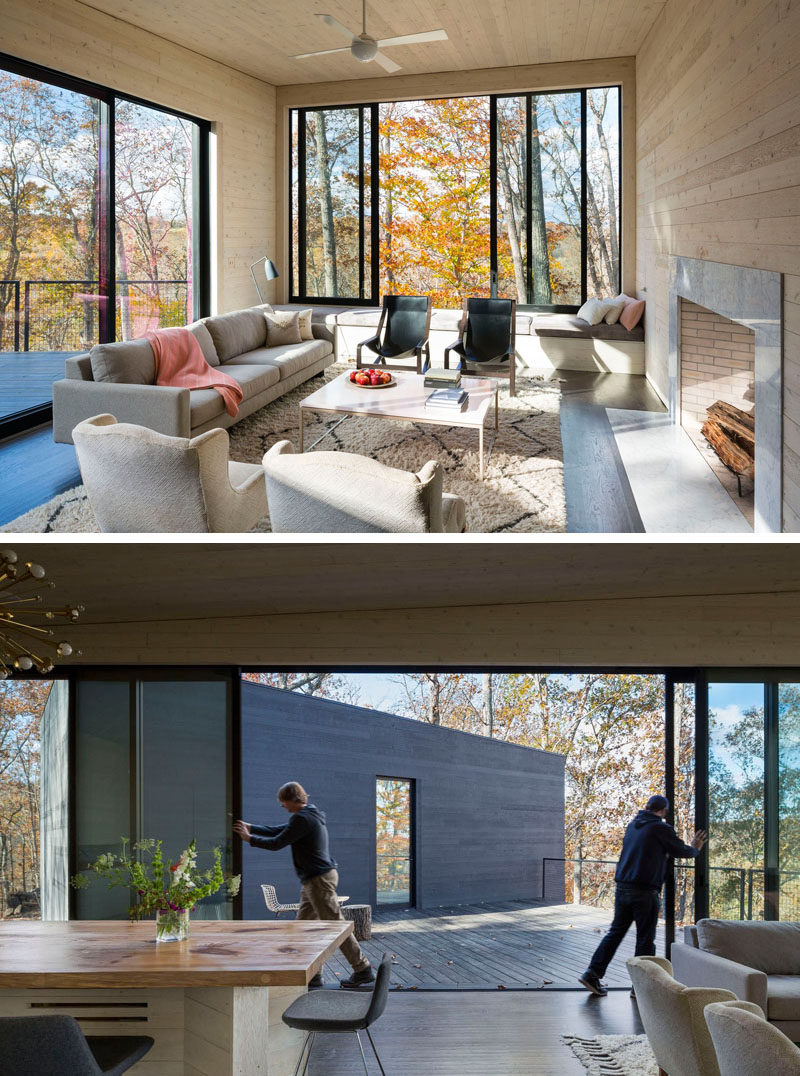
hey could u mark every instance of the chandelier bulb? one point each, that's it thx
(64, 650)
(24, 663)
(36, 570)
(8, 555)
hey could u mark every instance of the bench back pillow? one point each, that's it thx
(632, 312)
(127, 362)
(773, 948)
(594, 310)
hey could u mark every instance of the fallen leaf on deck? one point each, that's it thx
(500, 986)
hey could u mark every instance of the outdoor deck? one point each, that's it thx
(26, 378)
(511, 945)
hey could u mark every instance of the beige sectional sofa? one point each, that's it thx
(759, 962)
(119, 378)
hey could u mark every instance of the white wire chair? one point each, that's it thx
(274, 905)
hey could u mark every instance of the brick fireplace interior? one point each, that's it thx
(717, 364)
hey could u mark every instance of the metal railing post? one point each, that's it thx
(16, 315)
(741, 893)
(27, 333)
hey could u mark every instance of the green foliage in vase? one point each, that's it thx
(159, 885)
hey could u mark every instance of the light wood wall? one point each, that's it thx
(718, 167)
(761, 629)
(73, 38)
(538, 77)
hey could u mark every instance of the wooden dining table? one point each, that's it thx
(212, 1004)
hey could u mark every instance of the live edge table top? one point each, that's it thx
(111, 954)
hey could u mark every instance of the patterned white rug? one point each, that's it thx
(614, 1055)
(523, 490)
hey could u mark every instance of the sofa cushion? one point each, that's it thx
(238, 332)
(783, 997)
(289, 359)
(204, 404)
(773, 948)
(253, 379)
(199, 330)
(127, 362)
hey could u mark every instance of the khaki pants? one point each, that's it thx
(318, 901)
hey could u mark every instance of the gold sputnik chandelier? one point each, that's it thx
(27, 640)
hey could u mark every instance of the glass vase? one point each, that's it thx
(172, 925)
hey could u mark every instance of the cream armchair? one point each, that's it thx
(138, 480)
(341, 491)
(672, 1015)
(745, 1043)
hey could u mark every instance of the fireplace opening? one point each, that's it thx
(717, 397)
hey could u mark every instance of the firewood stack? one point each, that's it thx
(732, 434)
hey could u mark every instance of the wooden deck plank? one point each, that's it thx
(514, 944)
(26, 378)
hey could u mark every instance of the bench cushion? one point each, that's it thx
(569, 325)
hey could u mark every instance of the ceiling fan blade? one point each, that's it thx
(324, 52)
(386, 63)
(414, 39)
(336, 25)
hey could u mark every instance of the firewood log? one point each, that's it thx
(734, 421)
(732, 454)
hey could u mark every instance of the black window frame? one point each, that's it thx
(201, 209)
(298, 292)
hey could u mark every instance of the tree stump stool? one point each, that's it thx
(360, 915)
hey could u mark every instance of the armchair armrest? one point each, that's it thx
(696, 967)
(373, 344)
(157, 407)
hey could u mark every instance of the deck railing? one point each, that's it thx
(735, 892)
(62, 315)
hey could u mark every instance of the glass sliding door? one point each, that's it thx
(49, 235)
(153, 224)
(683, 795)
(394, 841)
(788, 822)
(736, 800)
(152, 759)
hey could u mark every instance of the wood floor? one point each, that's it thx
(26, 378)
(510, 945)
(479, 1034)
(598, 495)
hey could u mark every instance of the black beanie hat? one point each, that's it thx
(657, 803)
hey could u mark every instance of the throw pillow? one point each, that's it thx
(306, 332)
(235, 333)
(127, 362)
(631, 312)
(283, 327)
(203, 337)
(594, 310)
(617, 306)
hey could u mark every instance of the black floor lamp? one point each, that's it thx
(270, 272)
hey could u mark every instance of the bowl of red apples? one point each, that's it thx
(372, 379)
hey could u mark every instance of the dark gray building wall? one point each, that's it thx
(487, 812)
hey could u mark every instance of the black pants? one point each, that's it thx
(631, 905)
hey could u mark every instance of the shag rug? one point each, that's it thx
(614, 1055)
(523, 490)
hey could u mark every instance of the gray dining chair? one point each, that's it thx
(339, 1012)
(55, 1045)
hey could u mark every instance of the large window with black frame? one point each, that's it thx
(103, 226)
(516, 196)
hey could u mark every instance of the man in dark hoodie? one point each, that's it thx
(649, 846)
(307, 835)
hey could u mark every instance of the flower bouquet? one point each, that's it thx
(170, 890)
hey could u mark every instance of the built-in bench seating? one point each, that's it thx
(545, 342)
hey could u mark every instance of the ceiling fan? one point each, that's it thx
(365, 48)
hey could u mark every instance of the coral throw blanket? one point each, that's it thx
(181, 363)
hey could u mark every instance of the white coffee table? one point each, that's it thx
(402, 402)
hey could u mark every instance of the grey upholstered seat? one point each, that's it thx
(56, 1046)
(339, 1012)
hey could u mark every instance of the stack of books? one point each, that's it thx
(447, 400)
(439, 378)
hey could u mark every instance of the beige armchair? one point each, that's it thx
(672, 1015)
(746, 1043)
(140, 481)
(341, 491)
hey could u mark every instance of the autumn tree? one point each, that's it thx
(332, 211)
(393, 836)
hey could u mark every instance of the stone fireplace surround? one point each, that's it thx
(753, 298)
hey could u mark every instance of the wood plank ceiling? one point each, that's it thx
(258, 37)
